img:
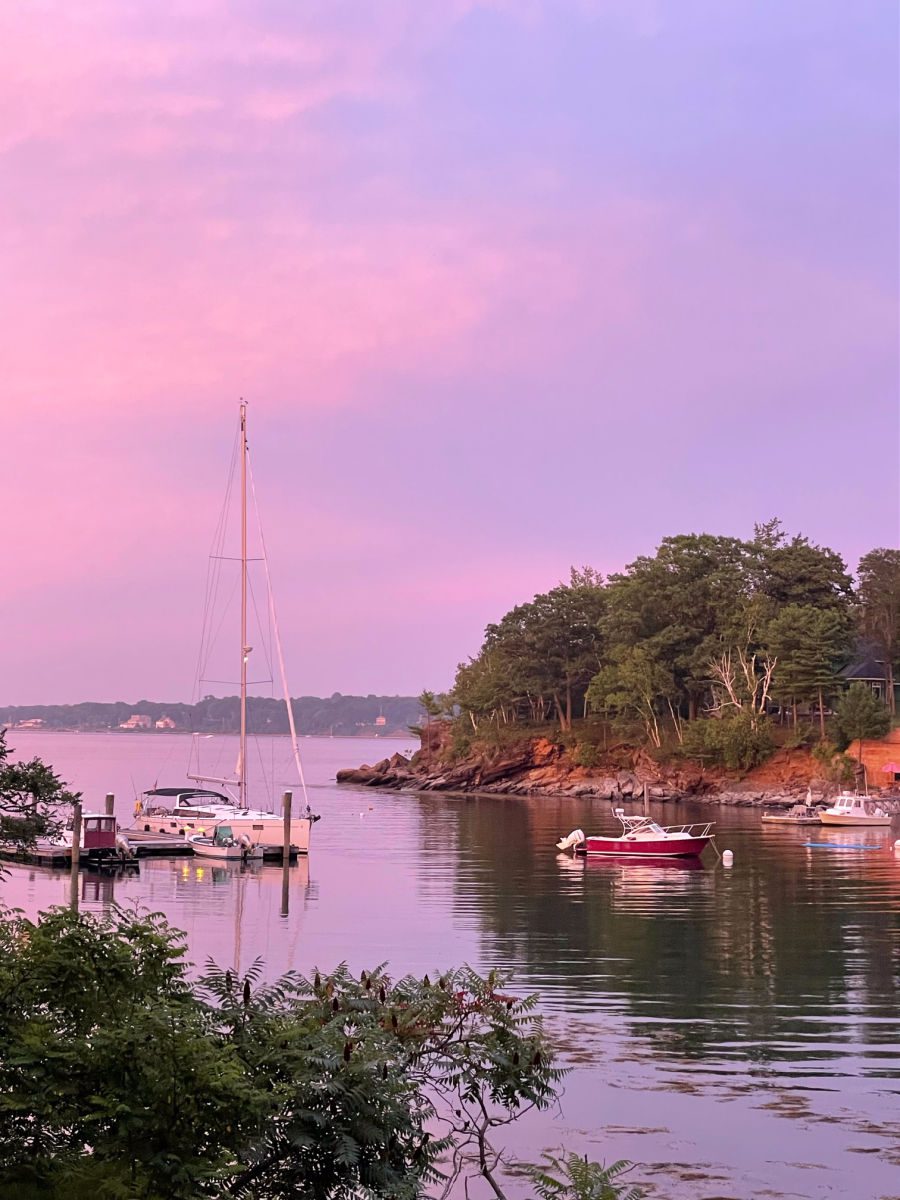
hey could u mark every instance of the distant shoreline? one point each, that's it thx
(327, 737)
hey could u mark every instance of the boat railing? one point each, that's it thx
(633, 823)
(703, 828)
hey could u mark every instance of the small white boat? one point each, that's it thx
(223, 845)
(798, 814)
(850, 809)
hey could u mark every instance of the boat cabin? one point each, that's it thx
(853, 805)
(98, 832)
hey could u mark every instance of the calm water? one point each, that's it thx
(734, 1032)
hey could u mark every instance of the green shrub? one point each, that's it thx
(577, 1178)
(587, 755)
(835, 767)
(735, 741)
(461, 742)
(800, 738)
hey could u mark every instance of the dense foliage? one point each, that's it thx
(707, 627)
(121, 1078)
(31, 798)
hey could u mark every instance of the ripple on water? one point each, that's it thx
(735, 1032)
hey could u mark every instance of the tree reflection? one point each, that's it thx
(770, 961)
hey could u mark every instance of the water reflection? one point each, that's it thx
(734, 1031)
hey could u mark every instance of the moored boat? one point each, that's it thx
(797, 814)
(99, 841)
(643, 838)
(850, 809)
(198, 811)
(223, 845)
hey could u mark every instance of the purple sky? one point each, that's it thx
(510, 285)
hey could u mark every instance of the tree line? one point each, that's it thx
(338, 714)
(707, 627)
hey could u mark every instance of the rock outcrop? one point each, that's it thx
(541, 766)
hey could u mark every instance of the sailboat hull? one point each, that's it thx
(266, 830)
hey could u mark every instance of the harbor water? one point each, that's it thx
(732, 1031)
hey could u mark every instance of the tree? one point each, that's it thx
(120, 1077)
(809, 645)
(798, 571)
(539, 658)
(859, 714)
(740, 672)
(685, 596)
(31, 797)
(633, 684)
(879, 600)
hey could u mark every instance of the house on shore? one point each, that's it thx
(867, 668)
(137, 721)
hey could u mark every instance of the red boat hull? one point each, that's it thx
(645, 847)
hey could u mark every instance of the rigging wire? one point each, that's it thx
(274, 616)
(214, 570)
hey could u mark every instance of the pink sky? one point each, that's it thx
(509, 286)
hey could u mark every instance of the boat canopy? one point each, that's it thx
(189, 795)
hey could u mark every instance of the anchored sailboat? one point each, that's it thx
(199, 810)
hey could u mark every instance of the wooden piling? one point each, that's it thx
(286, 853)
(75, 857)
(646, 799)
(110, 803)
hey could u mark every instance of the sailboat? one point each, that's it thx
(198, 811)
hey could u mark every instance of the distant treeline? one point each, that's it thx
(339, 715)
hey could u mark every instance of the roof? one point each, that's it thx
(867, 667)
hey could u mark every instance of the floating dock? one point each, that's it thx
(144, 845)
(156, 845)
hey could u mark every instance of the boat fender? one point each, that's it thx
(727, 858)
(897, 844)
(575, 838)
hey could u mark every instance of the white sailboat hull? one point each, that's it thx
(262, 829)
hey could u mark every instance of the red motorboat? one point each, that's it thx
(641, 837)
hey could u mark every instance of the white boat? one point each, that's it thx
(850, 809)
(797, 814)
(198, 811)
(187, 812)
(223, 845)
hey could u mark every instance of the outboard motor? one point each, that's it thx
(575, 838)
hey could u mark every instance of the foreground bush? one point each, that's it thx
(121, 1078)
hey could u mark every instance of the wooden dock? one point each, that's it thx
(145, 845)
(156, 845)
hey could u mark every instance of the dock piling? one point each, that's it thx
(110, 803)
(75, 856)
(286, 800)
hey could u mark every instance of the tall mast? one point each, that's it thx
(245, 649)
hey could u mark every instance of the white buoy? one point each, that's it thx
(897, 844)
(727, 858)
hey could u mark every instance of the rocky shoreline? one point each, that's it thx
(541, 767)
